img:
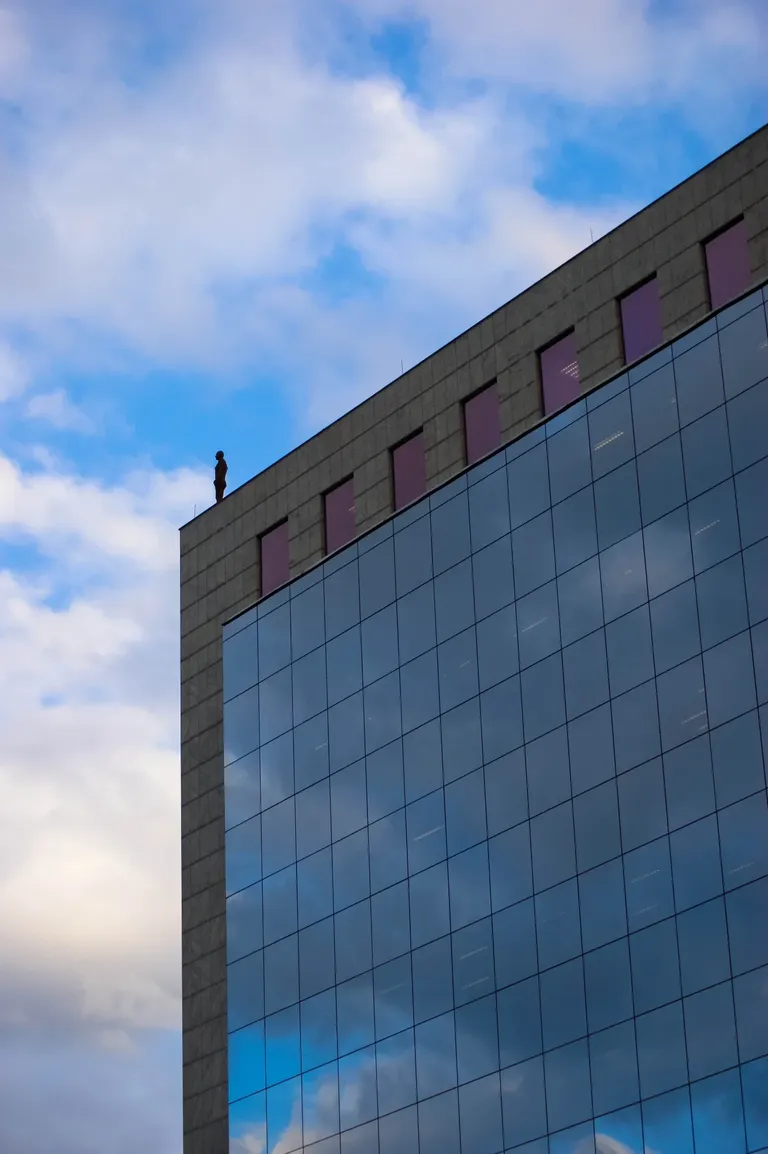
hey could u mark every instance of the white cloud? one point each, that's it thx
(56, 409)
(14, 372)
(89, 886)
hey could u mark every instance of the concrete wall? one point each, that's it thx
(220, 554)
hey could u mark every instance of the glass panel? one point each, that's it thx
(710, 1031)
(477, 1045)
(390, 923)
(706, 453)
(613, 1062)
(454, 601)
(596, 821)
(533, 554)
(611, 435)
(563, 1006)
(661, 1050)
(699, 380)
(307, 621)
(493, 577)
(661, 479)
(655, 966)
(569, 1099)
(718, 1119)
(617, 505)
(642, 805)
(497, 647)
(488, 510)
(377, 578)
(439, 1125)
(703, 941)
(570, 466)
(648, 883)
(590, 740)
(581, 603)
(747, 926)
(737, 759)
(675, 626)
(751, 999)
(522, 1101)
(528, 486)
(505, 792)
(538, 627)
(608, 985)
(667, 1123)
(416, 622)
(558, 929)
(473, 971)
(668, 552)
(688, 782)
(552, 847)
(654, 408)
(747, 417)
(630, 653)
(450, 533)
(744, 352)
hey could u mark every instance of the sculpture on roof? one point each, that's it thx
(220, 476)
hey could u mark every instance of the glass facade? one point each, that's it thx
(497, 822)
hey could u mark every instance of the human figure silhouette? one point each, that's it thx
(220, 476)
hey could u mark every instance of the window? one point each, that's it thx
(481, 424)
(339, 516)
(727, 264)
(274, 558)
(559, 374)
(641, 320)
(409, 470)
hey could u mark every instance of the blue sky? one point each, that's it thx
(223, 223)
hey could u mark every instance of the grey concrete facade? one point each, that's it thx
(220, 548)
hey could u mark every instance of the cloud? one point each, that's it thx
(56, 409)
(14, 373)
(182, 216)
(89, 773)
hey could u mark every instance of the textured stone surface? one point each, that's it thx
(220, 555)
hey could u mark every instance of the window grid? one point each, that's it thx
(439, 547)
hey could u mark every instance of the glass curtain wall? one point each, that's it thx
(497, 830)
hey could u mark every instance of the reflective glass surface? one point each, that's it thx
(496, 811)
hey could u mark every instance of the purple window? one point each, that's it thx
(410, 471)
(481, 422)
(340, 526)
(641, 320)
(560, 382)
(728, 264)
(274, 558)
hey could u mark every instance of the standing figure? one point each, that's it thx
(220, 476)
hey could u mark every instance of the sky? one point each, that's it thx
(222, 224)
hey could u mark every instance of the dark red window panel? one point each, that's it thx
(641, 320)
(728, 264)
(409, 467)
(339, 516)
(481, 422)
(274, 558)
(560, 374)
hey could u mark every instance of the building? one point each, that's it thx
(474, 724)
